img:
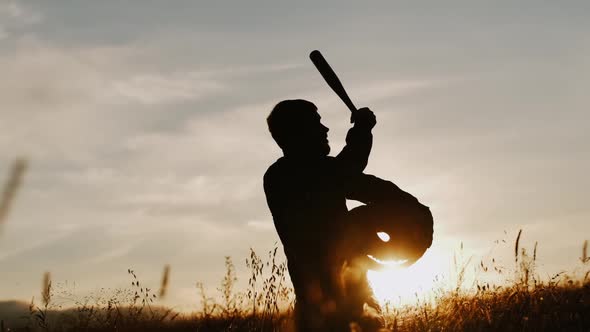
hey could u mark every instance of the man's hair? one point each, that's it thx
(284, 118)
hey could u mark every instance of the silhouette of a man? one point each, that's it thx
(306, 191)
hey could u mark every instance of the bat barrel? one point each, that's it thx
(332, 79)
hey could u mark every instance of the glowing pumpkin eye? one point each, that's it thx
(383, 236)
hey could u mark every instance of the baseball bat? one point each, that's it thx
(332, 79)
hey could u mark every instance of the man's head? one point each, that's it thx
(295, 126)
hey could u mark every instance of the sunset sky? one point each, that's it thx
(144, 125)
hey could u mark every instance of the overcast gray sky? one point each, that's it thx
(144, 124)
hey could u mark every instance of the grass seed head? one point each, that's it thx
(46, 289)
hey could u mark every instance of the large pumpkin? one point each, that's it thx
(400, 231)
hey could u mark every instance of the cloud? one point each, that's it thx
(113, 253)
(251, 69)
(17, 11)
(44, 78)
(261, 225)
(16, 248)
(376, 91)
(158, 89)
(16, 16)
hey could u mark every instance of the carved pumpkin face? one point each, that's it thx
(387, 233)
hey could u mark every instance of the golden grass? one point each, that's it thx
(527, 303)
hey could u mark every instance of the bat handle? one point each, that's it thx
(350, 106)
(352, 112)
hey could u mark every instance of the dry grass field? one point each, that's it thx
(527, 304)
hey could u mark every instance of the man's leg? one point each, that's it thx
(313, 308)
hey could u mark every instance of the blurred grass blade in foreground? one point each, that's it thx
(11, 187)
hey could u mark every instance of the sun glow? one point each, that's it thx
(398, 285)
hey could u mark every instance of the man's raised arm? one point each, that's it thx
(355, 155)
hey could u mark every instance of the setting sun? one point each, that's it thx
(398, 285)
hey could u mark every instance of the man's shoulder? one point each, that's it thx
(283, 165)
(276, 166)
(279, 167)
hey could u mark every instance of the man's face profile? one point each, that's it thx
(313, 134)
(297, 128)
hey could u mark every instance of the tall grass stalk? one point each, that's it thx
(46, 289)
(164, 283)
(516, 244)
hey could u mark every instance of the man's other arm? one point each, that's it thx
(412, 220)
(370, 189)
